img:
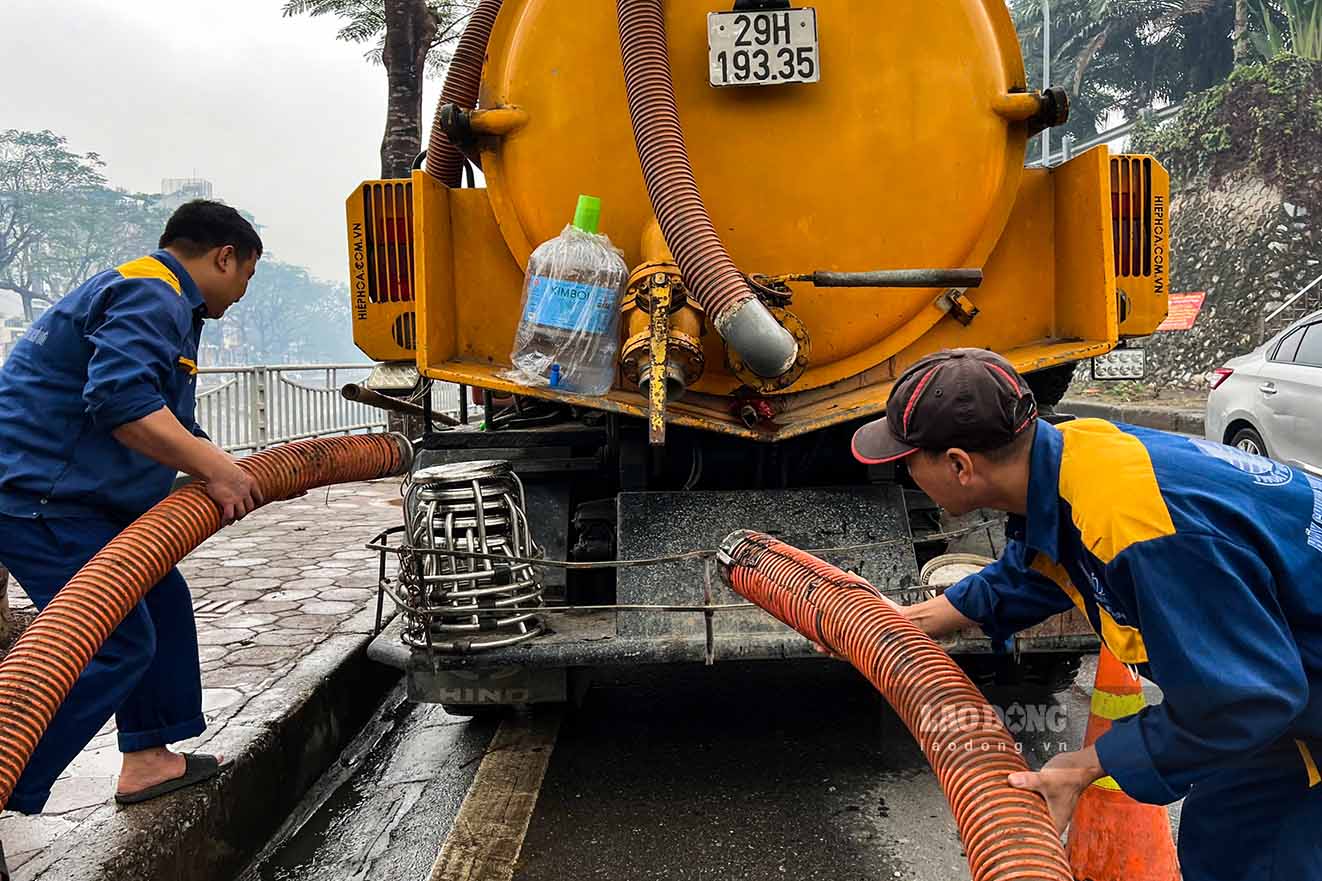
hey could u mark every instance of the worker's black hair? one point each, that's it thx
(201, 225)
(1018, 446)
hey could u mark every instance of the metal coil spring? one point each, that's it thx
(461, 603)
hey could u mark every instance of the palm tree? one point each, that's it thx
(1289, 26)
(1126, 55)
(408, 37)
(1240, 37)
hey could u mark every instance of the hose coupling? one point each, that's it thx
(686, 321)
(725, 554)
(406, 453)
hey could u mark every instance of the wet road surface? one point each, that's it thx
(758, 770)
(382, 810)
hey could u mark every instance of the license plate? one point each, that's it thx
(763, 48)
(1120, 364)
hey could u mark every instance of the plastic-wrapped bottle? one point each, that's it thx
(569, 335)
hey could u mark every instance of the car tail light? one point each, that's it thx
(1220, 375)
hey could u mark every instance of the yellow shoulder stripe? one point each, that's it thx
(188, 364)
(1314, 778)
(1125, 642)
(1108, 479)
(150, 267)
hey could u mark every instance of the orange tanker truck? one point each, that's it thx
(790, 205)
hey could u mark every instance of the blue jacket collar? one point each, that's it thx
(1042, 528)
(186, 283)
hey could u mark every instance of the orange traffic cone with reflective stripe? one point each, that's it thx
(1113, 837)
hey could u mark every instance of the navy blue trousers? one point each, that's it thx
(146, 675)
(1260, 820)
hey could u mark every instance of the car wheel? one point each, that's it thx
(1249, 441)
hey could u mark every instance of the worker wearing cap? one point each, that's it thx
(1198, 565)
(96, 421)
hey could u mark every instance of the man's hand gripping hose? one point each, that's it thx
(42, 666)
(1007, 832)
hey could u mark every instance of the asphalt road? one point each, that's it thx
(758, 770)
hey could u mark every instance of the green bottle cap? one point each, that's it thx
(587, 216)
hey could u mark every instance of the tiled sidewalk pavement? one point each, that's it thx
(268, 592)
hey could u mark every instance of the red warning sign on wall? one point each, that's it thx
(1184, 311)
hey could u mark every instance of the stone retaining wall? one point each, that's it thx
(1246, 166)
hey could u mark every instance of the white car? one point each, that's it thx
(1269, 402)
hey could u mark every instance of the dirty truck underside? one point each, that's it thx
(595, 494)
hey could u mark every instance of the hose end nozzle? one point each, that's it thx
(729, 554)
(406, 453)
(766, 347)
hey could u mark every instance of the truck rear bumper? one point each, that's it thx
(590, 639)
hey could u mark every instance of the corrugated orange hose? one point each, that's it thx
(462, 82)
(709, 271)
(1007, 832)
(41, 668)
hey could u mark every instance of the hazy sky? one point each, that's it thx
(283, 119)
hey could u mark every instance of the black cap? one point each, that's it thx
(966, 398)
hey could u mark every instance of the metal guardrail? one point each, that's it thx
(246, 409)
(1069, 149)
(1302, 304)
(1290, 302)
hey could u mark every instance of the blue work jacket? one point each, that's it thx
(1200, 566)
(119, 347)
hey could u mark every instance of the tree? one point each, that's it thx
(1240, 37)
(1289, 26)
(409, 37)
(61, 223)
(1126, 55)
(99, 229)
(41, 181)
(289, 316)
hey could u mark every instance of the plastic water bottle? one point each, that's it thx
(569, 333)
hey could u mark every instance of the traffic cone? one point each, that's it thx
(1113, 837)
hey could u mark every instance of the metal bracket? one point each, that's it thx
(958, 306)
(753, 5)
(774, 292)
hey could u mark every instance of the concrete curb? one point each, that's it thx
(211, 832)
(1144, 415)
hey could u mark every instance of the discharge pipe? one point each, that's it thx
(1007, 832)
(41, 668)
(361, 394)
(746, 325)
(463, 79)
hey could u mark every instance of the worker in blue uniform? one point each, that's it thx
(96, 421)
(1200, 566)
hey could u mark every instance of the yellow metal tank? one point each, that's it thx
(906, 152)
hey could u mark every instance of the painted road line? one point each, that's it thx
(488, 832)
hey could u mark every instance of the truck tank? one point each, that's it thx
(809, 199)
